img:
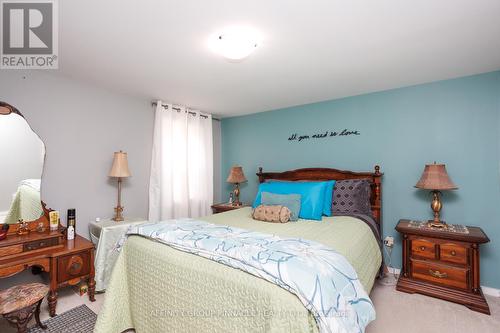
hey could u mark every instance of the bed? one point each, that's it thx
(156, 288)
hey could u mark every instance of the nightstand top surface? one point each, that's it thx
(475, 235)
(104, 223)
(229, 205)
(225, 207)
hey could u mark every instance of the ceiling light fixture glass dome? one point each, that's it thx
(235, 43)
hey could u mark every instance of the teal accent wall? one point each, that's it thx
(455, 122)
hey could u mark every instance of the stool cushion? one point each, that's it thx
(19, 297)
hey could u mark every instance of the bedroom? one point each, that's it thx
(335, 85)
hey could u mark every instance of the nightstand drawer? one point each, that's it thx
(73, 266)
(423, 248)
(440, 274)
(453, 253)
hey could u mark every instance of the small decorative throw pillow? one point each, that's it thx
(276, 214)
(291, 201)
(351, 196)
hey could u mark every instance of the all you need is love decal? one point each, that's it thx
(327, 134)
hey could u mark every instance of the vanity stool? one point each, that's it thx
(18, 303)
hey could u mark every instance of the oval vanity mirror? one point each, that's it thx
(22, 155)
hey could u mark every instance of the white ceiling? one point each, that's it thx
(313, 50)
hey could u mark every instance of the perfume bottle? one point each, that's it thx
(70, 233)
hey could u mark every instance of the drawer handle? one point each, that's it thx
(438, 274)
(453, 253)
(422, 248)
(36, 246)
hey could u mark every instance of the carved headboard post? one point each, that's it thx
(260, 175)
(377, 197)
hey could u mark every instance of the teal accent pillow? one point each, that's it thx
(311, 201)
(328, 200)
(291, 201)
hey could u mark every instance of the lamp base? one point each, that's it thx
(118, 214)
(236, 195)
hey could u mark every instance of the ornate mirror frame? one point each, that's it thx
(6, 109)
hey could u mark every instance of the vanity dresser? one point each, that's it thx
(35, 247)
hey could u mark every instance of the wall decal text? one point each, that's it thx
(326, 134)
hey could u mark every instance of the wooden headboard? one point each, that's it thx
(375, 179)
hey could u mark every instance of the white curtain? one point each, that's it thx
(181, 183)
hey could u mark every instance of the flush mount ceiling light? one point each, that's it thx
(235, 43)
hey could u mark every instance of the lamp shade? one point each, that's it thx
(120, 165)
(435, 177)
(236, 175)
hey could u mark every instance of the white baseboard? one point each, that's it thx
(491, 291)
(486, 290)
(393, 270)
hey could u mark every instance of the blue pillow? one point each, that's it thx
(327, 206)
(291, 201)
(312, 196)
(329, 186)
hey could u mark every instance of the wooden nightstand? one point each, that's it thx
(224, 207)
(442, 264)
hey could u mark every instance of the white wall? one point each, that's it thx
(82, 126)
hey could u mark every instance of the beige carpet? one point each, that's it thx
(396, 312)
(401, 312)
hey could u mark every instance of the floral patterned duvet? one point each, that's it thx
(322, 279)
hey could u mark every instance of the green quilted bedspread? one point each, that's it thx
(154, 288)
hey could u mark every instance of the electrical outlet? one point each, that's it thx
(389, 241)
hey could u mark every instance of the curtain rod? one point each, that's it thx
(190, 112)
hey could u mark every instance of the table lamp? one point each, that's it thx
(236, 176)
(119, 170)
(436, 179)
